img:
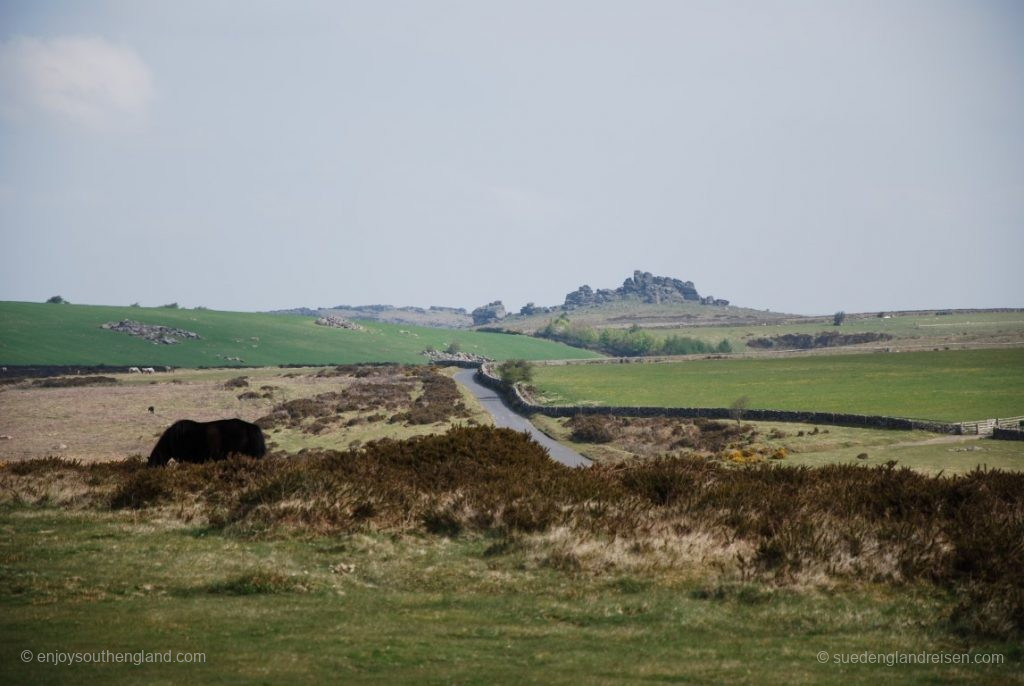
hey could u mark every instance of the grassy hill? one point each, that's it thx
(740, 325)
(915, 329)
(34, 333)
(954, 385)
(626, 313)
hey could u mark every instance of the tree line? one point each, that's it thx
(631, 342)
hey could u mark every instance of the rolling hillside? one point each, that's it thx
(42, 334)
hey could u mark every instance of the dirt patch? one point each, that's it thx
(323, 408)
(74, 381)
(650, 436)
(403, 395)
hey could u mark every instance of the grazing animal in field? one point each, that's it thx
(148, 370)
(134, 370)
(189, 441)
(152, 410)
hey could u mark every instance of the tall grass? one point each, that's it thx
(759, 523)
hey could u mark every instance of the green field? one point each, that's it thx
(738, 325)
(33, 333)
(428, 610)
(955, 385)
(909, 329)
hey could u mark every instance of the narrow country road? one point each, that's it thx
(504, 417)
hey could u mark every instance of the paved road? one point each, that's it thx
(504, 417)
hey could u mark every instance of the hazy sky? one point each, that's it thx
(798, 156)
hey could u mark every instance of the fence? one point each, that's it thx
(985, 427)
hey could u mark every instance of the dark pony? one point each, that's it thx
(188, 441)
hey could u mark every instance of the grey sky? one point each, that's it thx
(799, 156)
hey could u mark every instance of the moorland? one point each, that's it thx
(394, 534)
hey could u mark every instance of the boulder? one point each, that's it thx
(491, 312)
(154, 333)
(642, 286)
(339, 323)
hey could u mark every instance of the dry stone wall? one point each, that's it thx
(521, 404)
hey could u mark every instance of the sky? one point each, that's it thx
(802, 157)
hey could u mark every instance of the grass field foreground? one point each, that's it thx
(428, 611)
(954, 385)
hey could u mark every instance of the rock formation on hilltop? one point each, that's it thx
(642, 286)
(154, 333)
(338, 323)
(491, 312)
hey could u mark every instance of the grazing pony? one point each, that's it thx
(134, 370)
(148, 370)
(189, 441)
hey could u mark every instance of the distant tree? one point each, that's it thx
(838, 318)
(512, 372)
(135, 304)
(738, 407)
(57, 300)
(881, 314)
(724, 347)
(453, 348)
(200, 307)
(171, 306)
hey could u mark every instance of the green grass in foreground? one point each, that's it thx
(429, 610)
(34, 333)
(945, 385)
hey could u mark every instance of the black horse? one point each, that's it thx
(188, 441)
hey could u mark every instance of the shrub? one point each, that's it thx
(75, 381)
(591, 429)
(631, 342)
(57, 300)
(141, 489)
(738, 407)
(964, 534)
(838, 318)
(512, 372)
